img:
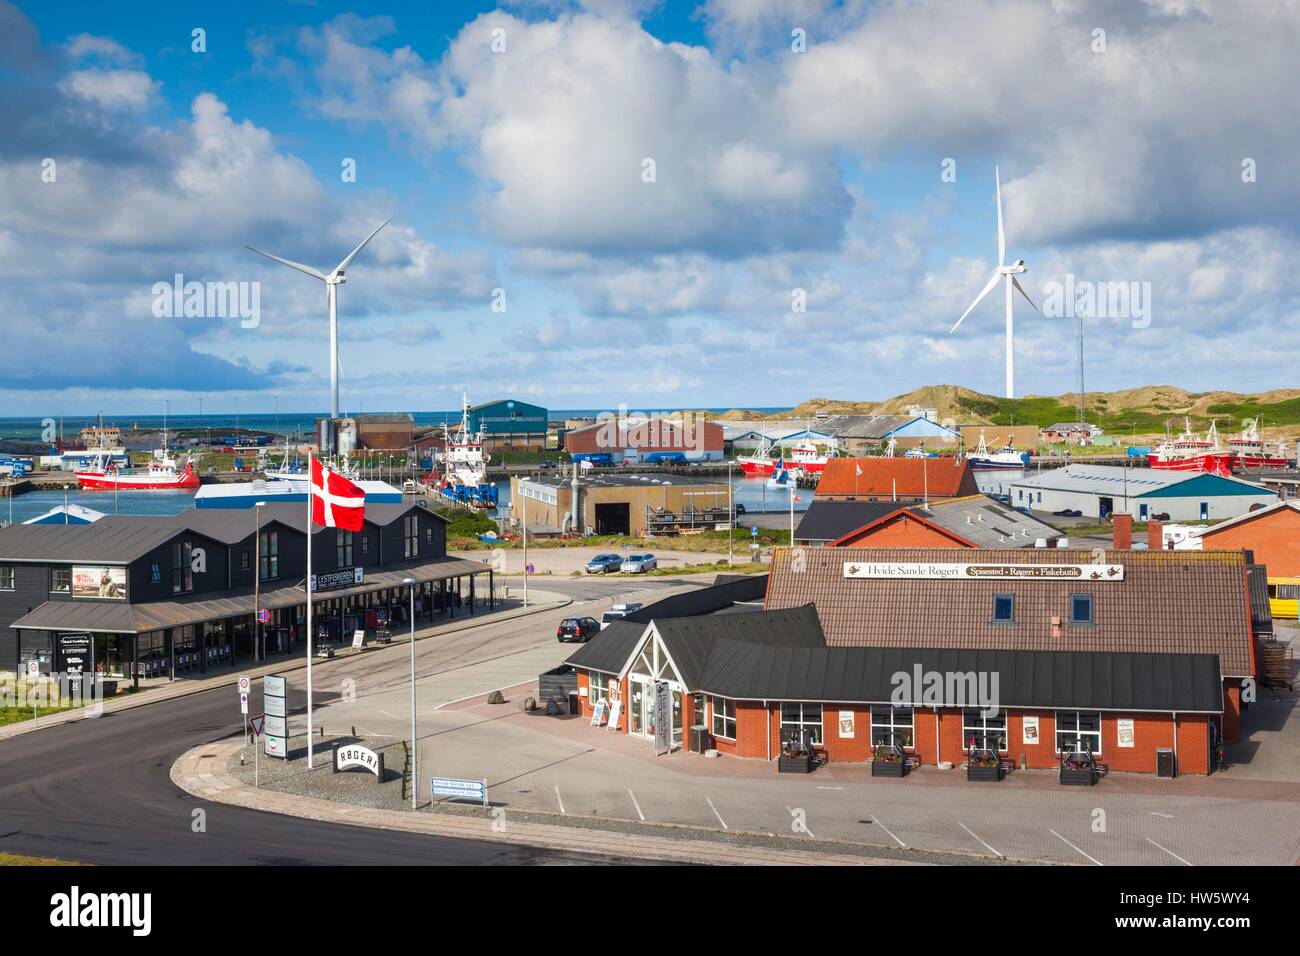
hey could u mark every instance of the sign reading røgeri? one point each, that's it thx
(355, 755)
(927, 571)
(345, 578)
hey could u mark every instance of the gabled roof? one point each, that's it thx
(910, 478)
(1167, 601)
(989, 523)
(827, 520)
(1250, 516)
(609, 650)
(690, 640)
(903, 514)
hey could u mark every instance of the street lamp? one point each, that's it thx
(523, 508)
(415, 774)
(731, 505)
(257, 581)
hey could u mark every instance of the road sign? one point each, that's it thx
(33, 669)
(459, 789)
(257, 723)
(753, 531)
(264, 616)
(531, 569)
(243, 703)
(245, 685)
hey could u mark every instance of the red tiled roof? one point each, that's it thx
(907, 477)
(1168, 602)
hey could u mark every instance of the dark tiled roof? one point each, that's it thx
(827, 520)
(1168, 602)
(717, 597)
(609, 650)
(909, 478)
(690, 640)
(1261, 612)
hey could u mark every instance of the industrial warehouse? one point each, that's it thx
(618, 504)
(1098, 491)
(161, 597)
(1134, 659)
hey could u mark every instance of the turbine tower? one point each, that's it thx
(1008, 273)
(332, 281)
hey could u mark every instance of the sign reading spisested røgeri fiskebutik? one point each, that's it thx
(929, 571)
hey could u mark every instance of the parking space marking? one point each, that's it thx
(637, 805)
(1170, 852)
(887, 830)
(1167, 816)
(716, 813)
(1075, 848)
(559, 799)
(972, 833)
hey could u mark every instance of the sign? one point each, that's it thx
(75, 653)
(257, 723)
(277, 725)
(1029, 730)
(264, 616)
(275, 706)
(355, 755)
(277, 731)
(33, 669)
(243, 703)
(614, 713)
(459, 789)
(359, 639)
(1125, 728)
(926, 571)
(276, 746)
(273, 685)
(846, 725)
(753, 532)
(598, 717)
(96, 581)
(531, 569)
(663, 718)
(245, 685)
(345, 578)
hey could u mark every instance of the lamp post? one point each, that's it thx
(415, 774)
(257, 581)
(731, 504)
(523, 509)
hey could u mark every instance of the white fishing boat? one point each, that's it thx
(1006, 458)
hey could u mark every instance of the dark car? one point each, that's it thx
(578, 629)
(740, 509)
(1162, 516)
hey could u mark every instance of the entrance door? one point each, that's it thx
(1106, 506)
(1205, 511)
(1213, 738)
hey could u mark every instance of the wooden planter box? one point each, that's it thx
(794, 764)
(1071, 777)
(992, 774)
(888, 768)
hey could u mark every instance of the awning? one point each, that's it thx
(138, 618)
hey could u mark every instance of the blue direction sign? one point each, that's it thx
(753, 532)
(459, 789)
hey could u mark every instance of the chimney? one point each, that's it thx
(1122, 526)
(1155, 536)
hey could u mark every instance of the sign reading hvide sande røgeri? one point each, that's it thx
(929, 571)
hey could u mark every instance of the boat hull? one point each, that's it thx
(1214, 463)
(186, 480)
(756, 467)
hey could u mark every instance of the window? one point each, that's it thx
(269, 555)
(1142, 512)
(724, 718)
(411, 529)
(155, 573)
(245, 560)
(428, 534)
(1004, 606)
(800, 719)
(343, 547)
(1076, 730)
(596, 686)
(1081, 609)
(6, 578)
(61, 580)
(1285, 592)
(365, 544)
(983, 733)
(891, 726)
(182, 567)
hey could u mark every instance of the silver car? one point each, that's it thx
(638, 564)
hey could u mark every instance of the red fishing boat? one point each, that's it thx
(1190, 452)
(1251, 451)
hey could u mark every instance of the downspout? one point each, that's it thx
(938, 747)
(1175, 741)
(767, 719)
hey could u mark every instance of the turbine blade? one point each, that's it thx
(353, 254)
(1016, 282)
(1002, 239)
(290, 263)
(985, 291)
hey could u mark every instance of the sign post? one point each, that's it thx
(275, 725)
(663, 718)
(244, 685)
(257, 723)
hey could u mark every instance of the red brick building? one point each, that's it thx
(902, 479)
(635, 437)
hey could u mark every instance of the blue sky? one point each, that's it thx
(521, 169)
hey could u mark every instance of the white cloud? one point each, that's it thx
(112, 89)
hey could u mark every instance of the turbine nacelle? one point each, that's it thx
(1015, 268)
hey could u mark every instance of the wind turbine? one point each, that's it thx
(1009, 273)
(332, 281)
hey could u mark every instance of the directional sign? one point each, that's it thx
(264, 616)
(459, 789)
(753, 532)
(257, 723)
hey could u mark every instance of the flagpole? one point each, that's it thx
(310, 762)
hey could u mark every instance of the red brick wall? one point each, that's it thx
(1274, 538)
(1231, 725)
(902, 531)
(1122, 530)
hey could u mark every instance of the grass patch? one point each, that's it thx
(16, 715)
(747, 567)
(15, 859)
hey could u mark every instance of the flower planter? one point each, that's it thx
(888, 768)
(1072, 777)
(992, 774)
(800, 764)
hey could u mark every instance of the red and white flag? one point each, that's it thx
(335, 501)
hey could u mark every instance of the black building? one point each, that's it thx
(166, 596)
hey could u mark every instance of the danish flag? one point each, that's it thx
(335, 501)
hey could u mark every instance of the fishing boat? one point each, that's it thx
(161, 474)
(1190, 452)
(805, 455)
(1252, 451)
(1005, 458)
(759, 463)
(461, 474)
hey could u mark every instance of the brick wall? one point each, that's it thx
(1274, 538)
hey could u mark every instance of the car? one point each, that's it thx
(617, 613)
(1162, 516)
(604, 563)
(638, 564)
(1068, 513)
(546, 465)
(740, 509)
(579, 629)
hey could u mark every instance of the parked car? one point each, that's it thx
(638, 564)
(617, 613)
(604, 563)
(546, 465)
(1068, 513)
(578, 629)
(740, 509)
(1163, 516)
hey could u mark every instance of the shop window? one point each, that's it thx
(343, 548)
(61, 580)
(411, 536)
(155, 573)
(1078, 730)
(1081, 609)
(984, 733)
(800, 719)
(891, 726)
(596, 687)
(6, 578)
(1004, 606)
(724, 718)
(269, 555)
(182, 567)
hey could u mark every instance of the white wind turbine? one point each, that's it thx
(332, 281)
(1009, 273)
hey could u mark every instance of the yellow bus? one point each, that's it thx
(1284, 597)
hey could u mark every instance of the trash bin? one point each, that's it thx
(701, 739)
(575, 703)
(1166, 765)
